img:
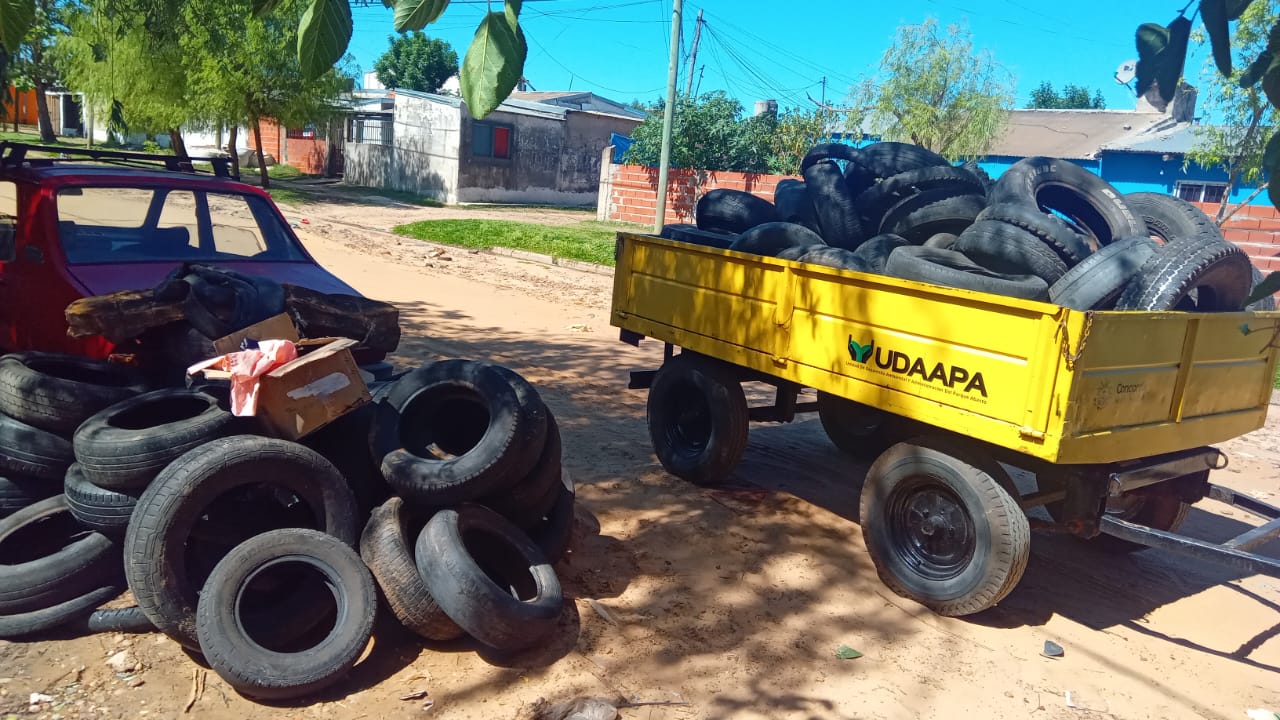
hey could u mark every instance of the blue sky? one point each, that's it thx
(755, 49)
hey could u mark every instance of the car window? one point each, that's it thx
(121, 225)
(8, 212)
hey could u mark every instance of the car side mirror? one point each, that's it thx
(8, 244)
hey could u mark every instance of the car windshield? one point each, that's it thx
(129, 225)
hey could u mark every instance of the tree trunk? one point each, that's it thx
(42, 114)
(177, 144)
(231, 148)
(262, 162)
(15, 108)
(1233, 174)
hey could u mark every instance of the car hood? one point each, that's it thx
(114, 277)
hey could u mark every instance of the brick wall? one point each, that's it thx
(271, 136)
(633, 195)
(1256, 229)
(307, 154)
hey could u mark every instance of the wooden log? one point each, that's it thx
(121, 316)
(374, 324)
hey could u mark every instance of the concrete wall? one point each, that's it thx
(424, 157)
(586, 136)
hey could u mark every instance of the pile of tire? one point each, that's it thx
(1045, 230)
(248, 549)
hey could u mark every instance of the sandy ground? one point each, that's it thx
(725, 603)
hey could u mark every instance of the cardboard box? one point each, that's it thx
(277, 327)
(305, 394)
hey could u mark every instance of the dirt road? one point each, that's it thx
(727, 603)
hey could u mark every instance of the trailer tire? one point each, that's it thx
(953, 269)
(858, 430)
(1098, 281)
(1009, 249)
(1159, 511)
(697, 417)
(771, 238)
(941, 526)
(1218, 272)
(732, 211)
(833, 203)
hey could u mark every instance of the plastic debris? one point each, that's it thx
(1260, 714)
(1053, 649)
(844, 652)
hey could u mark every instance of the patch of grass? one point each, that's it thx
(584, 209)
(576, 242)
(408, 198)
(1275, 381)
(34, 139)
(289, 195)
(280, 171)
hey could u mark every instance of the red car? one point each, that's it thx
(92, 222)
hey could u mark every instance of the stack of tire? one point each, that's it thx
(481, 511)
(244, 548)
(1045, 230)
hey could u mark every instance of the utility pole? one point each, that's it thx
(697, 89)
(668, 117)
(693, 54)
(824, 90)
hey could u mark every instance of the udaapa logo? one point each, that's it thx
(950, 376)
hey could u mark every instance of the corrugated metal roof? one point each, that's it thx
(1070, 134)
(1175, 141)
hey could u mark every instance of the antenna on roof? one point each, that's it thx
(1126, 72)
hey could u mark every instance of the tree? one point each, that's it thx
(33, 66)
(416, 62)
(1244, 116)
(795, 133)
(709, 133)
(493, 65)
(1073, 97)
(935, 90)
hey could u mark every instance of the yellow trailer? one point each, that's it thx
(1113, 411)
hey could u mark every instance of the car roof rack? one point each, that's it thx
(13, 154)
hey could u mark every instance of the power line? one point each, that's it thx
(574, 75)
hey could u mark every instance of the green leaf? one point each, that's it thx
(1271, 155)
(512, 9)
(1271, 81)
(16, 18)
(323, 35)
(1173, 58)
(1214, 14)
(417, 14)
(1269, 286)
(1253, 73)
(844, 652)
(1152, 39)
(493, 64)
(1236, 8)
(262, 8)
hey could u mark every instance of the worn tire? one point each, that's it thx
(877, 200)
(533, 496)
(876, 251)
(1069, 245)
(792, 201)
(1098, 281)
(64, 613)
(57, 392)
(732, 211)
(772, 238)
(887, 159)
(833, 203)
(981, 516)
(1218, 272)
(471, 413)
(553, 533)
(692, 234)
(169, 515)
(386, 546)
(30, 451)
(18, 492)
(795, 253)
(1266, 303)
(833, 152)
(1096, 207)
(268, 674)
(942, 241)
(125, 446)
(1008, 249)
(926, 214)
(97, 508)
(856, 429)
(1169, 219)
(118, 620)
(836, 258)
(1154, 510)
(953, 269)
(47, 559)
(464, 553)
(697, 418)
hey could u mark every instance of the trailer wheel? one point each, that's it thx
(698, 420)
(942, 527)
(1159, 511)
(856, 429)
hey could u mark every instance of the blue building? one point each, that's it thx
(1135, 150)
